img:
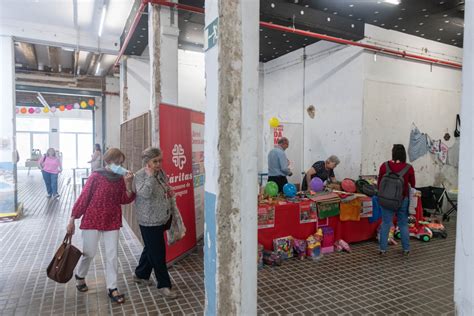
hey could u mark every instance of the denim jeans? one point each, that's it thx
(51, 182)
(402, 222)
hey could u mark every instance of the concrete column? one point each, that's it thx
(464, 261)
(230, 249)
(124, 100)
(8, 200)
(163, 46)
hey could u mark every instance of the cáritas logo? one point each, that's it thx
(179, 159)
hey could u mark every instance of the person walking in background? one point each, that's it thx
(399, 176)
(50, 167)
(278, 164)
(153, 206)
(96, 160)
(99, 205)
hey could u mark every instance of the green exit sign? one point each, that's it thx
(211, 35)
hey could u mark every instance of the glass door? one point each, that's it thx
(68, 145)
(23, 145)
(40, 141)
(84, 150)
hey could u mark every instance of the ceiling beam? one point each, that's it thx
(53, 54)
(92, 64)
(29, 52)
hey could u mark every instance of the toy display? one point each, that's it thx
(284, 246)
(327, 245)
(341, 245)
(391, 235)
(266, 216)
(313, 249)
(308, 212)
(260, 256)
(418, 229)
(367, 209)
(271, 258)
(299, 247)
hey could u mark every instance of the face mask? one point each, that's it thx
(118, 169)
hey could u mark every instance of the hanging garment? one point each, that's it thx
(443, 153)
(453, 154)
(418, 146)
(434, 146)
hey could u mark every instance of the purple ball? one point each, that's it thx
(316, 184)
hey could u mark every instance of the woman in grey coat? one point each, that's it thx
(153, 207)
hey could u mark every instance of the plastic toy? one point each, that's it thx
(299, 246)
(284, 246)
(418, 229)
(271, 258)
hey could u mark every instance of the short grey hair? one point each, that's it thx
(150, 153)
(283, 140)
(334, 159)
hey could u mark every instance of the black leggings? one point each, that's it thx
(280, 180)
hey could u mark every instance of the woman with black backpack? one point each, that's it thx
(395, 177)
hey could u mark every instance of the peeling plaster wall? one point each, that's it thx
(332, 77)
(112, 120)
(400, 92)
(354, 96)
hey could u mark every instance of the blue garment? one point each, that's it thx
(402, 222)
(277, 163)
(377, 211)
(51, 181)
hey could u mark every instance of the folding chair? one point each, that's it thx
(432, 200)
(454, 206)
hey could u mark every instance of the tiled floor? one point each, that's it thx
(360, 283)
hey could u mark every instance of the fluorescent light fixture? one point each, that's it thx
(102, 19)
(394, 2)
(42, 100)
(97, 69)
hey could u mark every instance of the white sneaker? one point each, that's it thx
(166, 292)
(48, 196)
(56, 196)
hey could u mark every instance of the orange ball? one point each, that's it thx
(61, 108)
(23, 110)
(91, 102)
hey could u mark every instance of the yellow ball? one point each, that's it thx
(274, 122)
(83, 104)
(45, 110)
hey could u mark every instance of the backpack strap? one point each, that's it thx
(404, 170)
(387, 168)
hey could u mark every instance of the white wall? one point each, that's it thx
(399, 92)
(191, 82)
(112, 120)
(355, 97)
(331, 80)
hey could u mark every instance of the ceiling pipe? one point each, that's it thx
(358, 44)
(136, 19)
(273, 26)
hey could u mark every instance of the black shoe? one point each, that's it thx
(382, 252)
(406, 252)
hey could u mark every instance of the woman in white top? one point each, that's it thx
(96, 160)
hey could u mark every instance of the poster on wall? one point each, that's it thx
(308, 212)
(176, 144)
(294, 153)
(266, 216)
(197, 130)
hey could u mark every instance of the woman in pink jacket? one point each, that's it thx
(50, 167)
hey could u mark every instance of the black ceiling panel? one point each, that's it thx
(437, 20)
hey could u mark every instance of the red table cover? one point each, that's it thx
(287, 223)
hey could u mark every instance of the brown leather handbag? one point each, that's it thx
(65, 260)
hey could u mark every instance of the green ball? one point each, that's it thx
(271, 189)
